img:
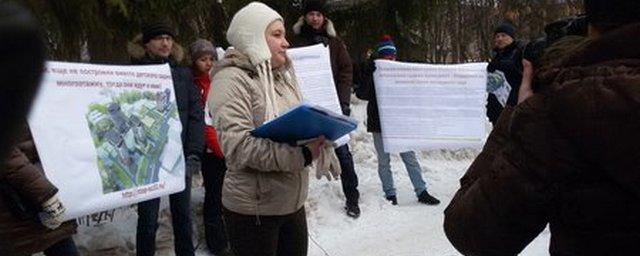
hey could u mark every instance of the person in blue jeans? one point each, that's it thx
(366, 91)
(156, 46)
(413, 168)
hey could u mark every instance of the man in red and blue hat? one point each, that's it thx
(387, 50)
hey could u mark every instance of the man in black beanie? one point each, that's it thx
(314, 5)
(156, 45)
(567, 155)
(153, 29)
(313, 27)
(507, 56)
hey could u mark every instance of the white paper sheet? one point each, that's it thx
(312, 66)
(426, 106)
(498, 85)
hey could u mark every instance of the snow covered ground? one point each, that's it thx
(408, 229)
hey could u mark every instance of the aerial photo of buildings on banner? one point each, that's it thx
(131, 131)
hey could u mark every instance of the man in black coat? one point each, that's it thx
(313, 27)
(157, 46)
(507, 57)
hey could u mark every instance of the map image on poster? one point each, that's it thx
(130, 135)
(108, 135)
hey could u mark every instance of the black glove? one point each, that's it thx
(193, 165)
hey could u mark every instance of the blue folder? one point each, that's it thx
(305, 121)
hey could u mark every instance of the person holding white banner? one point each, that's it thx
(315, 28)
(156, 46)
(266, 184)
(387, 50)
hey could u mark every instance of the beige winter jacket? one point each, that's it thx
(263, 177)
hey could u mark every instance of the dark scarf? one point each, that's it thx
(150, 60)
(315, 35)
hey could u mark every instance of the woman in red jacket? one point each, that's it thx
(203, 55)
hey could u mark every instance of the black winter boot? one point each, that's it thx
(425, 198)
(353, 210)
(392, 199)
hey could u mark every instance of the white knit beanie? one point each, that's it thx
(247, 33)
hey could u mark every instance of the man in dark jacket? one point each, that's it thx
(507, 58)
(156, 46)
(566, 156)
(314, 28)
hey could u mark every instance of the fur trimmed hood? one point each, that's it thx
(136, 50)
(620, 43)
(576, 57)
(328, 26)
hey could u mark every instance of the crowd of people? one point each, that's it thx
(563, 152)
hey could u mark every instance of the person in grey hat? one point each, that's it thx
(567, 155)
(203, 57)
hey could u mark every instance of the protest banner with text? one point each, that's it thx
(108, 136)
(425, 106)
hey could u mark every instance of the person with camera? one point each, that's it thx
(567, 154)
(507, 56)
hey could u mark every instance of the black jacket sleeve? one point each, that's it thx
(344, 79)
(195, 122)
(366, 90)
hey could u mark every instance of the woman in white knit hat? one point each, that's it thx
(266, 183)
